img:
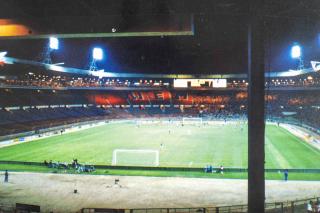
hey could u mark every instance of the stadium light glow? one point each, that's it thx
(296, 51)
(53, 43)
(3, 54)
(97, 53)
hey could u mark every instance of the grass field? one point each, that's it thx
(187, 146)
(159, 173)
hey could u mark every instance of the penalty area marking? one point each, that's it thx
(115, 152)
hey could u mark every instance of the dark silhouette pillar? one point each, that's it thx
(256, 182)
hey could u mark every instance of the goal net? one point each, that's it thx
(135, 157)
(195, 121)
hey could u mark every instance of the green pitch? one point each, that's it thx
(185, 146)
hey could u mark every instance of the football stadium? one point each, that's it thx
(181, 109)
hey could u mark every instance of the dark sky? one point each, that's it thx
(218, 46)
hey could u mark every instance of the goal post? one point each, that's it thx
(135, 157)
(192, 121)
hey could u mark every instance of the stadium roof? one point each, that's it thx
(102, 73)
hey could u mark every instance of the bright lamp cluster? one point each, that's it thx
(53, 43)
(97, 53)
(296, 51)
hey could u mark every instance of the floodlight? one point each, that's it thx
(53, 43)
(3, 54)
(296, 51)
(97, 53)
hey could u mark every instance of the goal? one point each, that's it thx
(194, 121)
(135, 157)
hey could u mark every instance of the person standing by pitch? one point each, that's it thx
(286, 174)
(6, 176)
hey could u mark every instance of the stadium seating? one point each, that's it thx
(25, 109)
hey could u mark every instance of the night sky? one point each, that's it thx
(218, 46)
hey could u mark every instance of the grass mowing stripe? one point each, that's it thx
(306, 144)
(276, 155)
(292, 149)
(215, 145)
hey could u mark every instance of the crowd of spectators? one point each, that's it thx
(23, 110)
(59, 81)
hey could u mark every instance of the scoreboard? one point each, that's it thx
(194, 83)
